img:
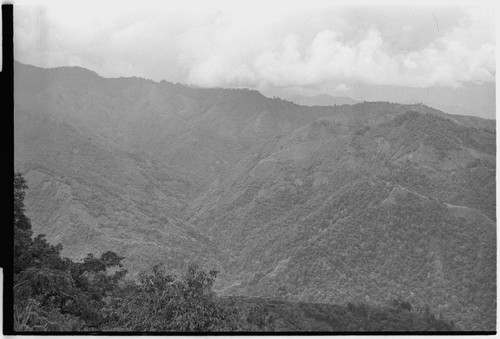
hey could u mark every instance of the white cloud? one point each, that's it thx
(342, 88)
(263, 45)
(465, 53)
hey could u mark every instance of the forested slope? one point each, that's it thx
(355, 203)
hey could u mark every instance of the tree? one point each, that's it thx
(22, 226)
(52, 292)
(162, 302)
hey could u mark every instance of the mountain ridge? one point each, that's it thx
(282, 199)
(323, 100)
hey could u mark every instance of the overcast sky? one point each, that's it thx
(273, 44)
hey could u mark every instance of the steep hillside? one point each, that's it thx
(92, 197)
(355, 203)
(91, 192)
(206, 130)
(343, 211)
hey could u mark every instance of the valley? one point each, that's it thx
(364, 202)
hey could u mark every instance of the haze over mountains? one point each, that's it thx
(470, 99)
(322, 100)
(366, 202)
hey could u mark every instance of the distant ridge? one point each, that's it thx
(323, 100)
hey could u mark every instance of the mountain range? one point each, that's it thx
(322, 100)
(362, 202)
(473, 99)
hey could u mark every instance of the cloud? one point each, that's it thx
(449, 60)
(263, 47)
(342, 88)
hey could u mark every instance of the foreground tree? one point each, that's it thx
(22, 226)
(162, 302)
(52, 293)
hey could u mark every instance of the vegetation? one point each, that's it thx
(285, 201)
(53, 293)
(279, 315)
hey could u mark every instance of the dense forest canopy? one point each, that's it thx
(53, 293)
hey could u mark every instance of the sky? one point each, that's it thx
(284, 47)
